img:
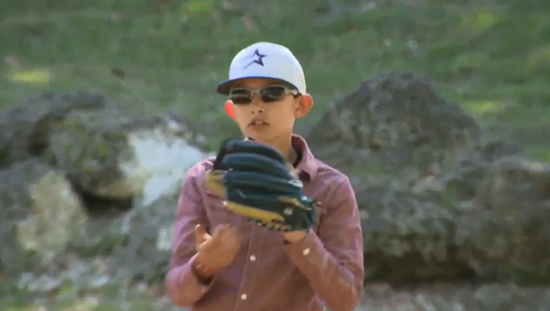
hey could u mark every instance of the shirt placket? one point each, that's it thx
(251, 269)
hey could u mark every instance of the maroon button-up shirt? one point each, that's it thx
(267, 274)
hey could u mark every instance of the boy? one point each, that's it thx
(220, 260)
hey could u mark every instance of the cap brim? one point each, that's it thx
(224, 87)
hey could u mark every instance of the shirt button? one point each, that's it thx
(252, 258)
(243, 297)
(305, 251)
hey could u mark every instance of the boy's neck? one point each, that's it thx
(284, 145)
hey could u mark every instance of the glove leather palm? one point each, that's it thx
(258, 183)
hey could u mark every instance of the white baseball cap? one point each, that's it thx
(265, 60)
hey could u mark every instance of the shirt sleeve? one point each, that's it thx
(182, 285)
(332, 260)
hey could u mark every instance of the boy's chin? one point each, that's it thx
(263, 138)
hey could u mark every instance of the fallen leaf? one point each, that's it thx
(249, 24)
(228, 5)
(12, 61)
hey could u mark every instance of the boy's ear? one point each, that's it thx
(230, 109)
(304, 107)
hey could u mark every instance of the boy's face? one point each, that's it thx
(273, 116)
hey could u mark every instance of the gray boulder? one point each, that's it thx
(84, 179)
(506, 236)
(137, 244)
(26, 128)
(393, 124)
(439, 200)
(39, 217)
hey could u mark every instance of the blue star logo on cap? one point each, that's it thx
(258, 59)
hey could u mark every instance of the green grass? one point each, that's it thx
(105, 299)
(89, 303)
(491, 56)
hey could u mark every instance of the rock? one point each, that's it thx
(507, 236)
(26, 128)
(104, 151)
(408, 236)
(458, 297)
(397, 123)
(101, 174)
(138, 243)
(493, 149)
(506, 297)
(40, 215)
(150, 237)
(397, 140)
(439, 201)
(108, 153)
(77, 274)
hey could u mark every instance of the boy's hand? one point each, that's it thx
(216, 251)
(294, 236)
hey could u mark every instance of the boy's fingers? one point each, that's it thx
(219, 230)
(233, 232)
(228, 230)
(219, 233)
(232, 236)
(201, 235)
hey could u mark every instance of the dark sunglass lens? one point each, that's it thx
(272, 93)
(240, 100)
(240, 97)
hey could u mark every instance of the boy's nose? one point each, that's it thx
(256, 110)
(257, 105)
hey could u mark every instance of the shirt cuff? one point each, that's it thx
(306, 252)
(186, 278)
(193, 262)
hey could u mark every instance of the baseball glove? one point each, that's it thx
(257, 182)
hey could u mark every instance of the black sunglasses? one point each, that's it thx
(270, 93)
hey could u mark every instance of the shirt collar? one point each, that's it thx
(307, 168)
